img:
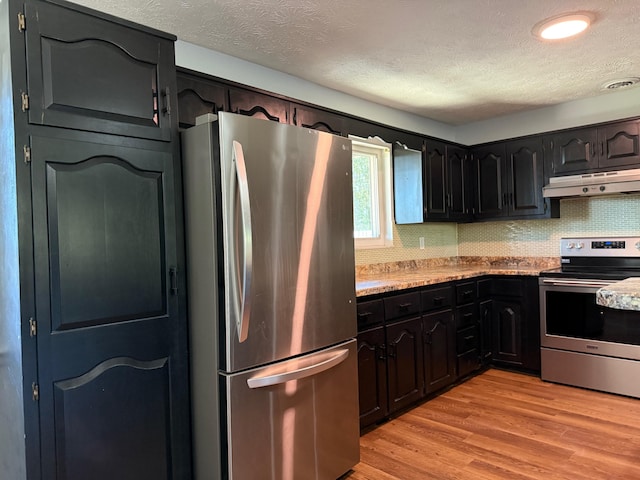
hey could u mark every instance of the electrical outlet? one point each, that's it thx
(421, 239)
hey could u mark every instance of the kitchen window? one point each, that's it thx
(371, 160)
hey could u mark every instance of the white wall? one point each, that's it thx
(224, 66)
(602, 108)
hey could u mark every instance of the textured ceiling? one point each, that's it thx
(454, 61)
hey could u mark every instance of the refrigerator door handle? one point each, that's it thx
(247, 238)
(277, 379)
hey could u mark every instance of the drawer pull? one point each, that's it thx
(467, 294)
(404, 306)
(469, 337)
(438, 300)
(364, 314)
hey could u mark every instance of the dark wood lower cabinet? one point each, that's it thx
(113, 373)
(404, 363)
(439, 334)
(507, 328)
(372, 376)
(494, 320)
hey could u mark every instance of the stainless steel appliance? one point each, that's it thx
(272, 302)
(582, 343)
(592, 184)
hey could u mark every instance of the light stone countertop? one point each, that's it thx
(623, 295)
(385, 278)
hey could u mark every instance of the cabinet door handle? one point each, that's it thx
(391, 351)
(166, 109)
(428, 338)
(173, 280)
(602, 149)
(383, 351)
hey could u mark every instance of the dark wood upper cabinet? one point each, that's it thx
(490, 167)
(525, 177)
(574, 151)
(198, 96)
(317, 119)
(595, 148)
(87, 73)
(259, 105)
(448, 183)
(436, 191)
(510, 177)
(460, 183)
(619, 145)
(408, 202)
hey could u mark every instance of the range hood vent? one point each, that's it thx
(591, 184)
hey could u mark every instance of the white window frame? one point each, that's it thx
(382, 211)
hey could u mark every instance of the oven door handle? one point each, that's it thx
(576, 283)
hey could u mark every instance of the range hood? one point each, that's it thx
(591, 184)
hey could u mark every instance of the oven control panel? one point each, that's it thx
(600, 247)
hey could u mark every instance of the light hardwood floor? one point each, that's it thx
(504, 425)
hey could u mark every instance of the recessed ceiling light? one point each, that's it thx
(563, 26)
(621, 83)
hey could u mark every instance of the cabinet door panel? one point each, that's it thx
(490, 181)
(87, 73)
(507, 331)
(574, 151)
(404, 363)
(436, 180)
(619, 145)
(253, 104)
(111, 329)
(316, 119)
(198, 96)
(439, 350)
(526, 177)
(408, 187)
(372, 376)
(460, 180)
(138, 396)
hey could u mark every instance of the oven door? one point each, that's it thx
(571, 320)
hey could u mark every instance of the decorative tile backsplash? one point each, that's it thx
(609, 215)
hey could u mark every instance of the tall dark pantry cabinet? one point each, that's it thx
(93, 333)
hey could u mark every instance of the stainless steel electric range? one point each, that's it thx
(582, 343)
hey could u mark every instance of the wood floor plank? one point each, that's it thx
(504, 425)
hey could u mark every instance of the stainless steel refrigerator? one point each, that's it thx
(271, 300)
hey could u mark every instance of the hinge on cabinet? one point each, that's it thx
(35, 392)
(33, 327)
(22, 23)
(27, 153)
(25, 101)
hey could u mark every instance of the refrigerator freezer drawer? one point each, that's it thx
(294, 419)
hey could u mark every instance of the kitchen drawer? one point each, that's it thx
(466, 315)
(370, 313)
(465, 292)
(436, 298)
(510, 287)
(401, 305)
(468, 362)
(467, 339)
